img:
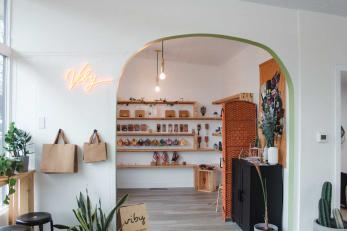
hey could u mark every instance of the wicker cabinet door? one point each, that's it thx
(239, 131)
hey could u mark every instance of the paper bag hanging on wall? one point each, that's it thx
(59, 158)
(133, 218)
(95, 150)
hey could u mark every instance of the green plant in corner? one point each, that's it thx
(8, 167)
(89, 218)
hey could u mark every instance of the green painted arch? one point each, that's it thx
(291, 119)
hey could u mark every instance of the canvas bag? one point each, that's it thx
(59, 158)
(95, 150)
(133, 218)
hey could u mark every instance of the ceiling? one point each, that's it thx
(337, 7)
(196, 50)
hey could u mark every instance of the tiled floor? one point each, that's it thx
(180, 209)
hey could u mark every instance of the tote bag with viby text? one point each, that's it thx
(59, 158)
(95, 150)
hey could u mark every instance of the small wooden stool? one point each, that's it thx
(15, 228)
(35, 219)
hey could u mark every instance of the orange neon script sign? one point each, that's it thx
(84, 77)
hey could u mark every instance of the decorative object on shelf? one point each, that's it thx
(165, 158)
(206, 141)
(143, 127)
(328, 221)
(266, 225)
(139, 113)
(198, 128)
(162, 75)
(137, 128)
(203, 110)
(163, 127)
(156, 159)
(183, 113)
(16, 143)
(176, 128)
(175, 158)
(59, 158)
(95, 150)
(158, 127)
(8, 167)
(124, 113)
(220, 146)
(199, 141)
(170, 113)
(87, 216)
(130, 127)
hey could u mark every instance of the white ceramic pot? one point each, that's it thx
(265, 154)
(273, 155)
(260, 227)
(318, 227)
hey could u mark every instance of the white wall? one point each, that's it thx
(54, 35)
(344, 124)
(242, 71)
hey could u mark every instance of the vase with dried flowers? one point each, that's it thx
(266, 226)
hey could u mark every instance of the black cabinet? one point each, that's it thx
(247, 197)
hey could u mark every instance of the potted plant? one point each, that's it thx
(271, 121)
(16, 143)
(90, 218)
(8, 167)
(328, 220)
(266, 225)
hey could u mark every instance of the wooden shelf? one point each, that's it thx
(167, 150)
(154, 134)
(170, 118)
(126, 102)
(124, 166)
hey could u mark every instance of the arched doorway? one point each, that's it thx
(289, 200)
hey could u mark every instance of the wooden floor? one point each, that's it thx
(180, 209)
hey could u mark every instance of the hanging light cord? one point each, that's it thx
(162, 55)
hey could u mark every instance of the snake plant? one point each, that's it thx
(89, 218)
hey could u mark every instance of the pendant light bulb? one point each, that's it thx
(162, 76)
(157, 88)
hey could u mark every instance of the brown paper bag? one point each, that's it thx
(133, 218)
(59, 158)
(95, 150)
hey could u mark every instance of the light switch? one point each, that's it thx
(42, 122)
(322, 137)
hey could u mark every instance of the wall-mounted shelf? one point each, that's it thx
(124, 166)
(155, 134)
(167, 150)
(170, 118)
(127, 102)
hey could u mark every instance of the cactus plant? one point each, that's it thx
(324, 213)
(338, 219)
(324, 206)
(326, 194)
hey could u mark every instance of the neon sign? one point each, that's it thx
(85, 77)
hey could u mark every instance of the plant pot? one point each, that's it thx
(260, 227)
(273, 155)
(25, 162)
(318, 227)
(265, 154)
